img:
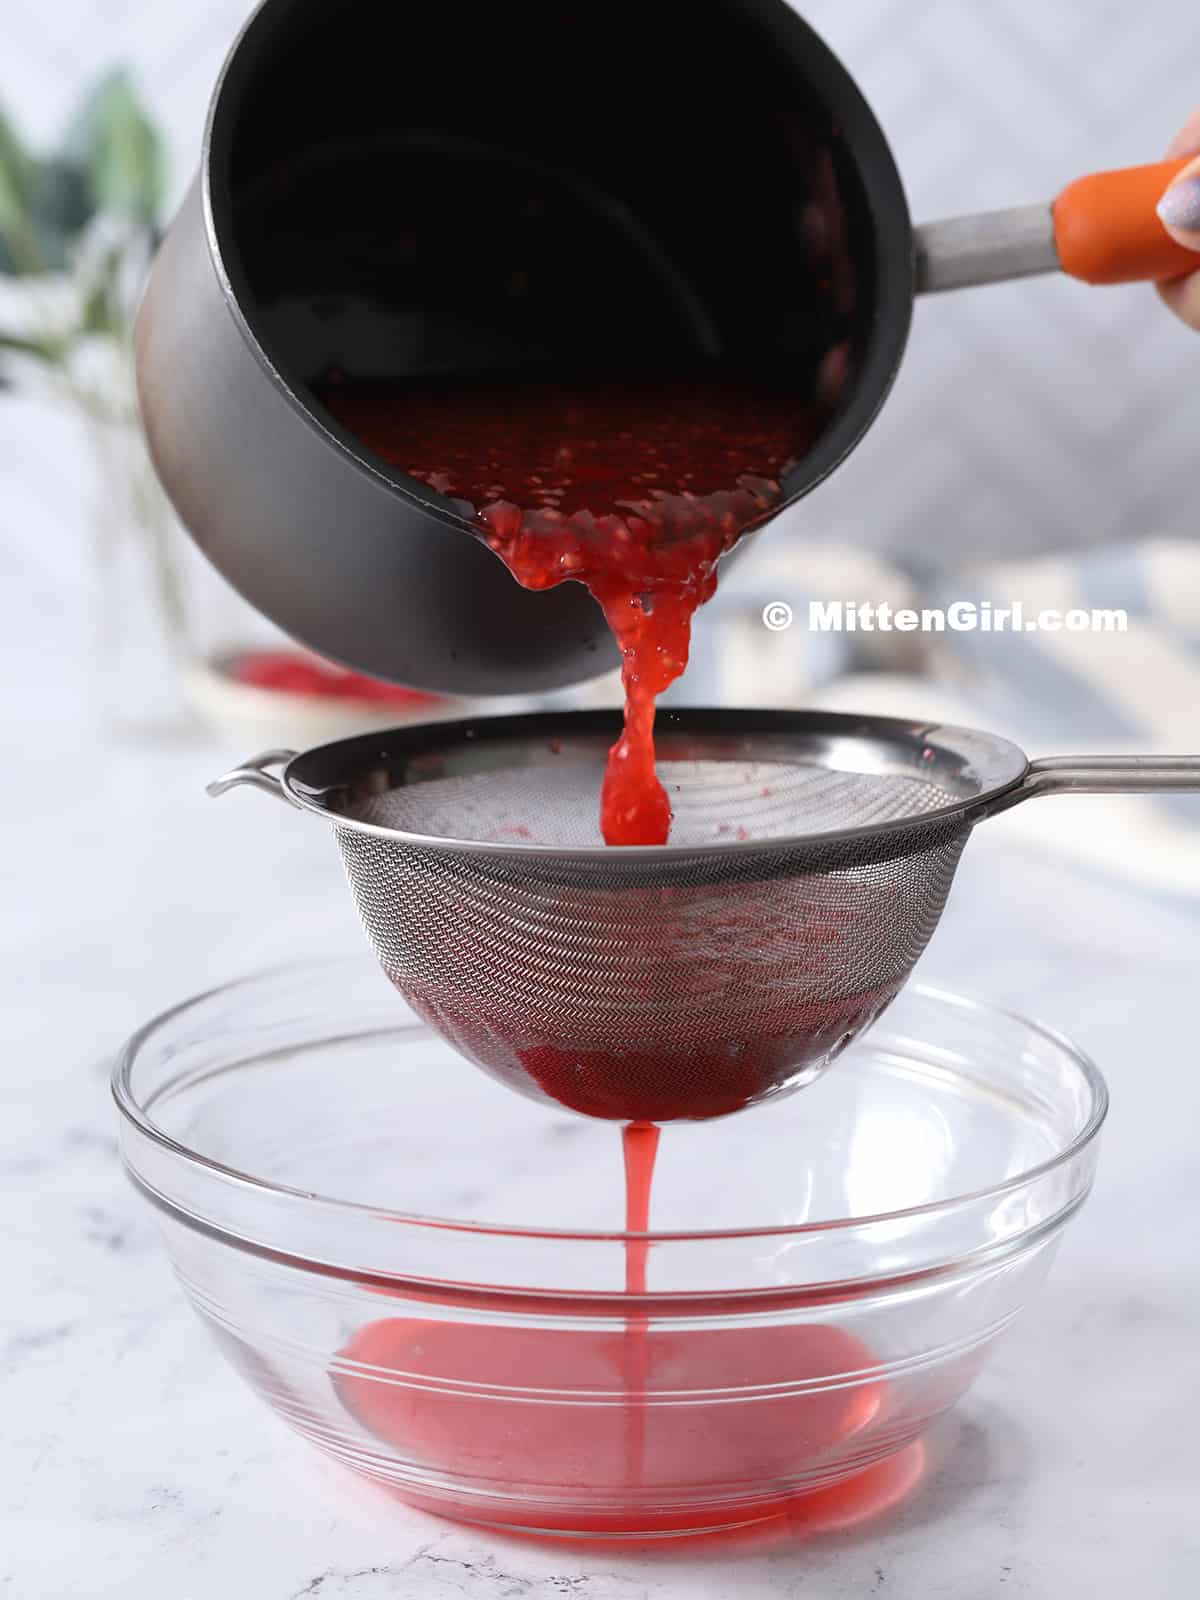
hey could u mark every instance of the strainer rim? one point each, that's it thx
(1002, 767)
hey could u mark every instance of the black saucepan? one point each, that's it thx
(527, 186)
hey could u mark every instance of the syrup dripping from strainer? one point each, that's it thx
(637, 495)
(639, 1142)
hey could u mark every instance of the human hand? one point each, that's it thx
(1180, 210)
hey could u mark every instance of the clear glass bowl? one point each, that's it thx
(424, 1273)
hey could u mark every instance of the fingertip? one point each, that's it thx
(1179, 208)
(1182, 295)
(1189, 238)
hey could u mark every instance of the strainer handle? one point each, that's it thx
(254, 773)
(1102, 775)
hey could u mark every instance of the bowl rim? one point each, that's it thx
(141, 1123)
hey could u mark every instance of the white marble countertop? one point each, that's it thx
(133, 1464)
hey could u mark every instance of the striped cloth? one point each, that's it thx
(1052, 693)
(1140, 688)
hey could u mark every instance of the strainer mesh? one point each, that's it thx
(643, 985)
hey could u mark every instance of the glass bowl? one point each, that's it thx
(425, 1274)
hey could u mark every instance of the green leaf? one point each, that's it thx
(112, 141)
(60, 207)
(99, 316)
(47, 350)
(16, 174)
(18, 248)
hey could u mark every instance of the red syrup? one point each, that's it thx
(301, 673)
(635, 490)
(434, 1392)
(639, 1146)
(768, 1043)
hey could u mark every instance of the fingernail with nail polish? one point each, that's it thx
(1180, 206)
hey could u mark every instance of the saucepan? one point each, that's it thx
(531, 187)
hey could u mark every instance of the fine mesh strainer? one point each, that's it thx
(810, 858)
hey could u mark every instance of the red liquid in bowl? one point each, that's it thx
(634, 490)
(436, 1393)
(547, 1448)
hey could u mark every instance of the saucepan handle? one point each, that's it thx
(255, 773)
(1101, 775)
(1102, 229)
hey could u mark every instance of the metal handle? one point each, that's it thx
(990, 248)
(254, 773)
(1103, 228)
(1101, 775)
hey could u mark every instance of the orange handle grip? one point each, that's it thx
(1108, 230)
